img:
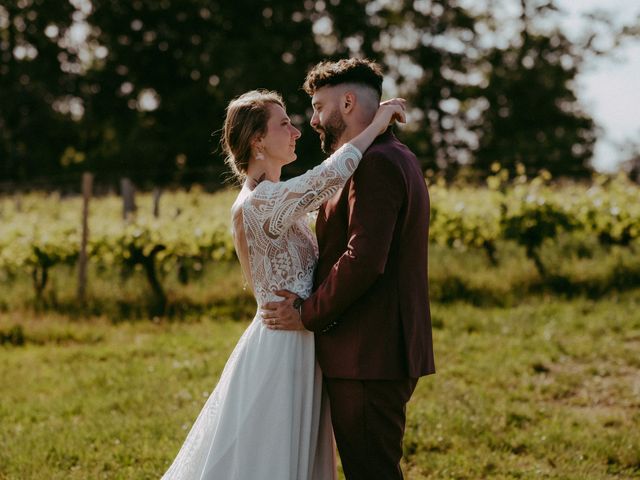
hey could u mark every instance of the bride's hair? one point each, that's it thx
(246, 119)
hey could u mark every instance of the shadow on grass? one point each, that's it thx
(620, 279)
(241, 305)
(455, 288)
(237, 306)
(72, 323)
(218, 292)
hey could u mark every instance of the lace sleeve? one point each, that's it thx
(279, 205)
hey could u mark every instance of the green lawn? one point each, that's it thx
(549, 388)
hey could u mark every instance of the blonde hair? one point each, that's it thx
(246, 119)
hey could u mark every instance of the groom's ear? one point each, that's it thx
(348, 102)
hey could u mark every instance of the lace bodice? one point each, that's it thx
(282, 249)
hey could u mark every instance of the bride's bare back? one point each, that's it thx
(240, 237)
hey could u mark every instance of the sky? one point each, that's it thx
(609, 88)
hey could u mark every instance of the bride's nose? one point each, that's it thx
(295, 133)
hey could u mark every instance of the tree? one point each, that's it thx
(150, 80)
(532, 115)
(430, 50)
(33, 132)
(136, 87)
(475, 102)
(170, 71)
(631, 165)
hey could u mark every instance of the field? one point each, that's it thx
(546, 389)
(538, 371)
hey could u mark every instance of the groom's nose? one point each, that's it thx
(314, 120)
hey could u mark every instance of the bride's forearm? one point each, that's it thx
(390, 110)
(364, 139)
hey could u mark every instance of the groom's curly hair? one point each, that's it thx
(352, 70)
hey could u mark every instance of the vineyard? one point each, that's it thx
(536, 333)
(191, 230)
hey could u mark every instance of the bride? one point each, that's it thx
(267, 417)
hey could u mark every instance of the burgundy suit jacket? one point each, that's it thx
(370, 306)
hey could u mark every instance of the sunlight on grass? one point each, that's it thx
(547, 389)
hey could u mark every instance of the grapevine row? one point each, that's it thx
(41, 231)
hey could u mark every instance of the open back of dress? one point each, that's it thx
(240, 239)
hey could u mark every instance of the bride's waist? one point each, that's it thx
(257, 323)
(270, 297)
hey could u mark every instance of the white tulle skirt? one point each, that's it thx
(267, 418)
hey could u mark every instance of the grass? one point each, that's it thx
(537, 377)
(114, 408)
(546, 388)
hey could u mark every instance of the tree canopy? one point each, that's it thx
(139, 87)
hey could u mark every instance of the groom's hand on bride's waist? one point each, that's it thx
(283, 315)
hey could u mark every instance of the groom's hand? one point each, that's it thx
(283, 315)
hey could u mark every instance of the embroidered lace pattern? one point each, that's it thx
(282, 249)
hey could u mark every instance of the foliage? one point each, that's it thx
(193, 228)
(136, 87)
(531, 217)
(465, 217)
(48, 233)
(534, 118)
(532, 211)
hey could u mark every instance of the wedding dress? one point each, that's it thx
(267, 418)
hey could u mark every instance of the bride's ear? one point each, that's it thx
(257, 148)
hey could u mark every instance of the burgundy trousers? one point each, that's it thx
(368, 422)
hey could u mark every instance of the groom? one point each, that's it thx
(370, 307)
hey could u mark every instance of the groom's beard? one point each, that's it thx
(331, 132)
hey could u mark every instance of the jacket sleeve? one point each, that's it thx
(376, 195)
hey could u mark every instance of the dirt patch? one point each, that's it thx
(605, 386)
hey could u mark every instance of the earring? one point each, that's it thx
(259, 156)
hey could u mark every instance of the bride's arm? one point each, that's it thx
(280, 204)
(388, 111)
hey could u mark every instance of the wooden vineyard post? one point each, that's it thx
(156, 202)
(87, 188)
(18, 199)
(128, 198)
